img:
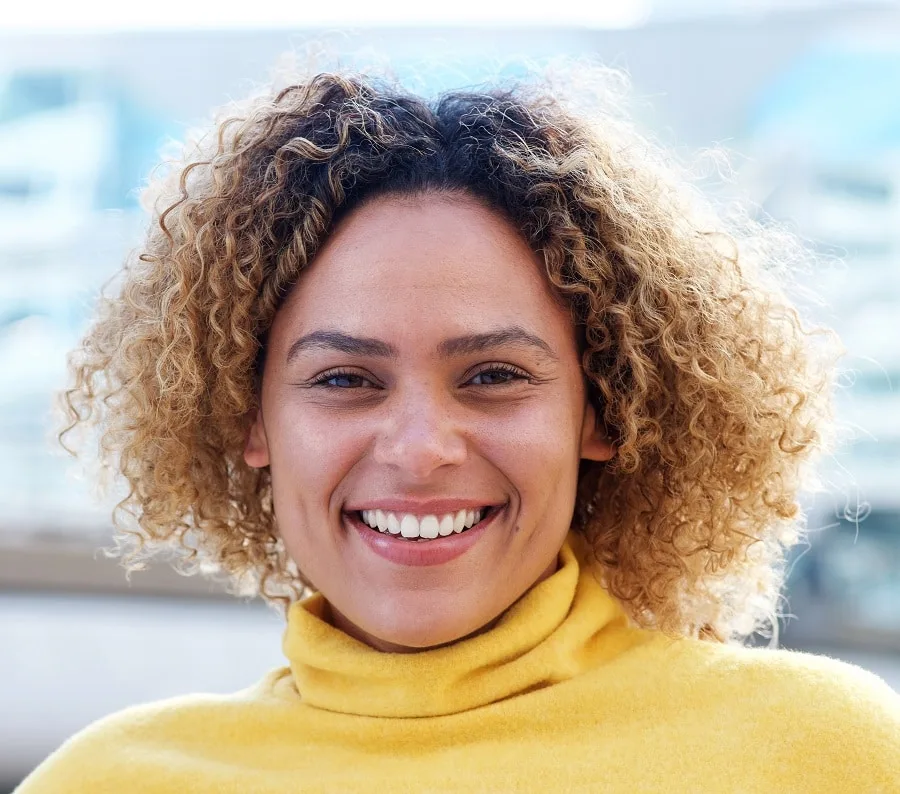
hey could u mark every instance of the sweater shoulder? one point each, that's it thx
(815, 679)
(841, 720)
(105, 755)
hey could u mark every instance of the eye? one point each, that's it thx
(341, 379)
(498, 375)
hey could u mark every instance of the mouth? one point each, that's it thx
(422, 529)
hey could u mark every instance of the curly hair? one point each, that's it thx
(715, 392)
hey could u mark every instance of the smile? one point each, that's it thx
(428, 527)
(419, 549)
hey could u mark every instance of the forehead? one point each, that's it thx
(424, 265)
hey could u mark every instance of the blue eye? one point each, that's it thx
(498, 376)
(343, 380)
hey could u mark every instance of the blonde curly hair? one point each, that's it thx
(716, 394)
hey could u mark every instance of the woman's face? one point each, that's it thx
(419, 376)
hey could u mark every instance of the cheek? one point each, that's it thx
(535, 445)
(312, 452)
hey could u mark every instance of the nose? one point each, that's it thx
(420, 434)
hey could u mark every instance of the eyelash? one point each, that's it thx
(518, 374)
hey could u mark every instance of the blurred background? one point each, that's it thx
(807, 92)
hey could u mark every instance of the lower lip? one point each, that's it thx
(421, 552)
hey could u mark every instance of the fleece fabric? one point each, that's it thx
(561, 695)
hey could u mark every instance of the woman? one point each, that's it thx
(521, 421)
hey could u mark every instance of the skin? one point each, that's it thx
(413, 273)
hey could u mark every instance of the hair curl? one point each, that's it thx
(711, 386)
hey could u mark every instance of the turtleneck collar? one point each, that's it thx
(560, 627)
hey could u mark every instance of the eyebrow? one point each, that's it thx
(449, 348)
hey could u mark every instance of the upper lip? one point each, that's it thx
(420, 507)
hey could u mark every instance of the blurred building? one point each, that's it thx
(824, 145)
(74, 148)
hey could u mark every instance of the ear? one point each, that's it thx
(256, 451)
(595, 443)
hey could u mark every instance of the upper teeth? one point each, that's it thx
(411, 526)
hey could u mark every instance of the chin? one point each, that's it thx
(422, 631)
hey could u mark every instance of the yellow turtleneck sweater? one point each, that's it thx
(560, 696)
